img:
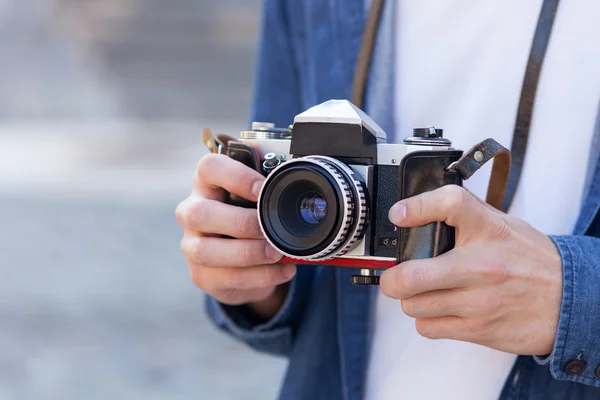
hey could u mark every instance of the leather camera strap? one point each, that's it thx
(216, 144)
(501, 180)
(365, 54)
(476, 157)
(528, 91)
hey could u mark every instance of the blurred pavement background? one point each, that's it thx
(101, 107)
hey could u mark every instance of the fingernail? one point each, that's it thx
(256, 189)
(288, 271)
(272, 254)
(397, 213)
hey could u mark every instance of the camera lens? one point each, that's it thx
(288, 213)
(312, 208)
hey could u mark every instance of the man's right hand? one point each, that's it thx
(244, 270)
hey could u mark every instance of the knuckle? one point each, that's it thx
(198, 252)
(192, 211)
(238, 175)
(453, 196)
(183, 246)
(456, 192)
(247, 223)
(271, 276)
(434, 303)
(418, 209)
(409, 278)
(208, 163)
(180, 213)
(499, 228)
(417, 305)
(196, 212)
(387, 283)
(428, 329)
(199, 278)
(187, 245)
(235, 279)
(392, 284)
(247, 253)
(254, 278)
(409, 307)
(402, 284)
(243, 178)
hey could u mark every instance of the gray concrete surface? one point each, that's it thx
(101, 108)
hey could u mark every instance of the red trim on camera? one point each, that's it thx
(346, 262)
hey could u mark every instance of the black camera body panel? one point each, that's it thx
(352, 143)
(385, 234)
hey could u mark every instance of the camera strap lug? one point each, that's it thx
(216, 144)
(479, 155)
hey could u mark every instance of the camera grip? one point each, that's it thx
(419, 172)
(248, 156)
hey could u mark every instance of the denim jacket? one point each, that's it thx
(307, 55)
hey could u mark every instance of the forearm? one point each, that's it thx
(576, 337)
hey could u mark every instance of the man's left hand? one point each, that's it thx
(501, 285)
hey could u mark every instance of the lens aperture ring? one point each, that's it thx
(357, 208)
(347, 212)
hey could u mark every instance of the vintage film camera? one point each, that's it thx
(331, 180)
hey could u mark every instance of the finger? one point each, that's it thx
(241, 282)
(221, 252)
(450, 327)
(451, 204)
(217, 172)
(211, 216)
(410, 278)
(238, 297)
(440, 303)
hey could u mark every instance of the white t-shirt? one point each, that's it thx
(460, 65)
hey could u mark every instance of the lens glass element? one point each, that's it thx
(313, 208)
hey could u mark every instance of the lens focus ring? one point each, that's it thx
(356, 209)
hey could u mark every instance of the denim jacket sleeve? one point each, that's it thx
(275, 336)
(577, 334)
(277, 99)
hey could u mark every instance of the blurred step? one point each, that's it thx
(152, 19)
(179, 59)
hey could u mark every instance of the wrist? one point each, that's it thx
(267, 308)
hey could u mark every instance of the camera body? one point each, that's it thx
(331, 180)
